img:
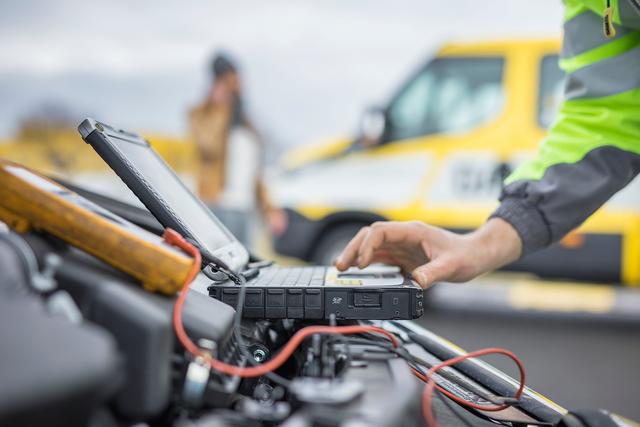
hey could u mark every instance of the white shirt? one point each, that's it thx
(241, 171)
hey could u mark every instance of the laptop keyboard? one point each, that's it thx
(290, 276)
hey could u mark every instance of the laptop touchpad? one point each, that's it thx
(374, 275)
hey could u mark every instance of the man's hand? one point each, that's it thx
(432, 254)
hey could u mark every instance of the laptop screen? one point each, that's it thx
(194, 215)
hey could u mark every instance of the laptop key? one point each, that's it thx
(293, 277)
(279, 278)
(305, 277)
(267, 276)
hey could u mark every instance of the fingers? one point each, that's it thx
(434, 271)
(349, 255)
(373, 240)
(396, 236)
(363, 248)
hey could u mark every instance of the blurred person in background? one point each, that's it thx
(592, 151)
(229, 176)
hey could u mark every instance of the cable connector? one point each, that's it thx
(197, 376)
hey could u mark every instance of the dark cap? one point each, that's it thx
(221, 65)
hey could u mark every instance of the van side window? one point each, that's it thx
(550, 90)
(449, 96)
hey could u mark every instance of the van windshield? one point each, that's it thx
(450, 96)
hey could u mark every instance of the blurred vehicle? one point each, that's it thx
(438, 151)
(55, 150)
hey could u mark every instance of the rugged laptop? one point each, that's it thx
(378, 292)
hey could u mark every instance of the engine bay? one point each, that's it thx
(84, 344)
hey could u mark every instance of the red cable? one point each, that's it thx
(431, 385)
(175, 239)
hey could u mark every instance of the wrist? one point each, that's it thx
(495, 244)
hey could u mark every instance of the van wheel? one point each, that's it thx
(333, 242)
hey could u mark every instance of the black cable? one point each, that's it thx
(369, 341)
(453, 409)
(400, 351)
(385, 347)
(341, 339)
(239, 280)
(417, 362)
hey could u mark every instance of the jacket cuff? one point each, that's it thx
(528, 222)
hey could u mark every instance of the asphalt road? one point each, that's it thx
(576, 363)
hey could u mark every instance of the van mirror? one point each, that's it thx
(372, 126)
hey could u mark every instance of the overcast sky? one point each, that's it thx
(310, 67)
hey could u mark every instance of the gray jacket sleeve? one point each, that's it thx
(542, 211)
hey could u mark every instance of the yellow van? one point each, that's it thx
(438, 151)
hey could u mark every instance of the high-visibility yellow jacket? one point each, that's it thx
(593, 148)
